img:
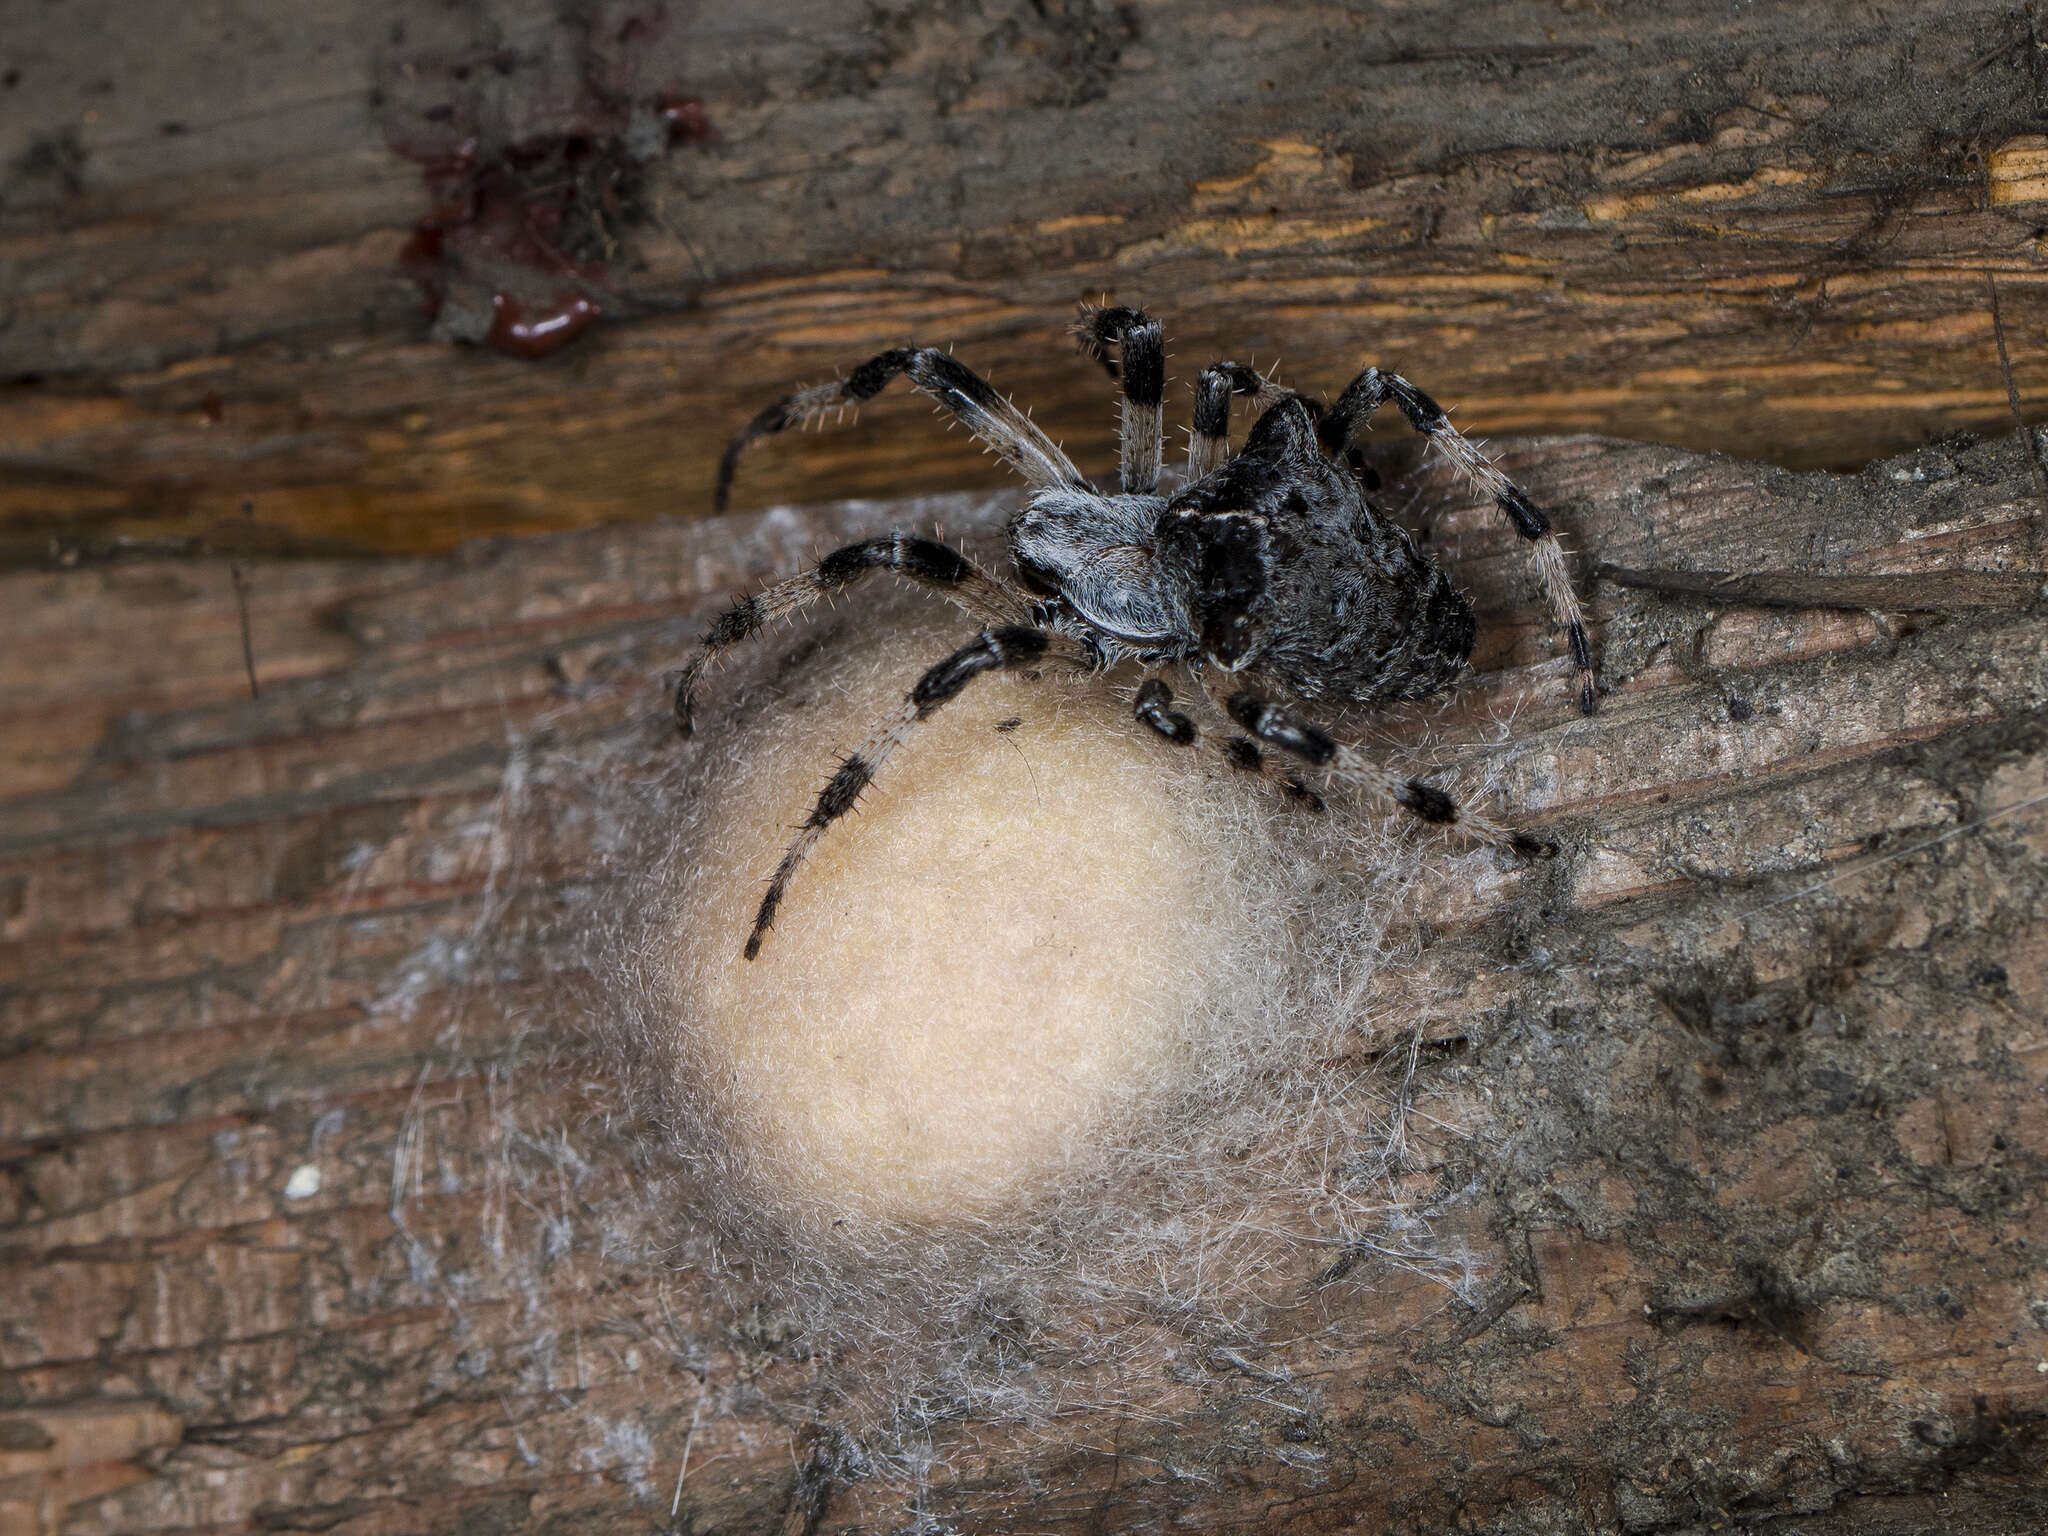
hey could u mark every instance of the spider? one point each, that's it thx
(1266, 577)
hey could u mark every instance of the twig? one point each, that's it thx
(242, 607)
(683, 1471)
(1493, 1312)
(248, 645)
(1947, 592)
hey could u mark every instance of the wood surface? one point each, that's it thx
(1758, 229)
(1741, 1097)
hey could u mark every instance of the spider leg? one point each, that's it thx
(1007, 647)
(1150, 708)
(1209, 444)
(1240, 752)
(934, 566)
(1128, 344)
(955, 386)
(1243, 754)
(1354, 408)
(1269, 723)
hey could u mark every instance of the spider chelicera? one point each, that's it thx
(1266, 577)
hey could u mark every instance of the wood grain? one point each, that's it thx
(1764, 231)
(1745, 1091)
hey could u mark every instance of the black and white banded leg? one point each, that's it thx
(1152, 707)
(1240, 752)
(1268, 723)
(925, 562)
(1243, 754)
(1129, 345)
(1007, 647)
(971, 398)
(1209, 442)
(1372, 388)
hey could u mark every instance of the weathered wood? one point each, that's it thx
(1765, 230)
(1747, 1087)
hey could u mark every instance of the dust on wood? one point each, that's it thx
(1745, 1090)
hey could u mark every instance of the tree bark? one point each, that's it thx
(1745, 1089)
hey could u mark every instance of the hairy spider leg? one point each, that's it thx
(1132, 350)
(1354, 408)
(1240, 752)
(1151, 708)
(1003, 647)
(1243, 754)
(1209, 443)
(1267, 722)
(924, 562)
(971, 399)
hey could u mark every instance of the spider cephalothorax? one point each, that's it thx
(1264, 574)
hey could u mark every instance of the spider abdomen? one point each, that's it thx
(1427, 654)
(1368, 641)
